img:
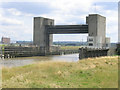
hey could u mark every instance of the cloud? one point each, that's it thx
(68, 12)
(9, 21)
(53, 0)
(62, 11)
(16, 32)
(15, 12)
(28, 7)
(74, 12)
(15, 24)
(111, 24)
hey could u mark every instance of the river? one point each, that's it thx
(15, 62)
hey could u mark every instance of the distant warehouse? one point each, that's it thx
(5, 40)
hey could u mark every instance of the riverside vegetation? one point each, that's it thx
(99, 72)
(69, 47)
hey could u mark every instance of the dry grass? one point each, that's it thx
(88, 73)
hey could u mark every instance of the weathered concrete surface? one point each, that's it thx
(40, 36)
(112, 51)
(88, 52)
(97, 29)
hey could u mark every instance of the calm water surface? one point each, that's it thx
(14, 62)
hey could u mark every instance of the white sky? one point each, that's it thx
(16, 17)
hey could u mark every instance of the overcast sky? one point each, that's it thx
(16, 18)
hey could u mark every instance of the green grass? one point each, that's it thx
(70, 47)
(88, 73)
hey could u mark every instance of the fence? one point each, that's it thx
(12, 51)
(88, 52)
(19, 51)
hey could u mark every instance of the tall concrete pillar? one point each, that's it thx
(97, 30)
(40, 37)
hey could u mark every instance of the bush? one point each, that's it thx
(118, 51)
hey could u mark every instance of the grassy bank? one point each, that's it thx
(89, 73)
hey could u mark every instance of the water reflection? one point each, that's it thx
(14, 62)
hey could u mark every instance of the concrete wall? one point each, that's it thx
(107, 41)
(97, 29)
(40, 36)
(92, 25)
(101, 28)
(112, 51)
(88, 52)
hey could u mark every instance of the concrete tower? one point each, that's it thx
(40, 37)
(96, 31)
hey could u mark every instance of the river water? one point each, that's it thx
(14, 62)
